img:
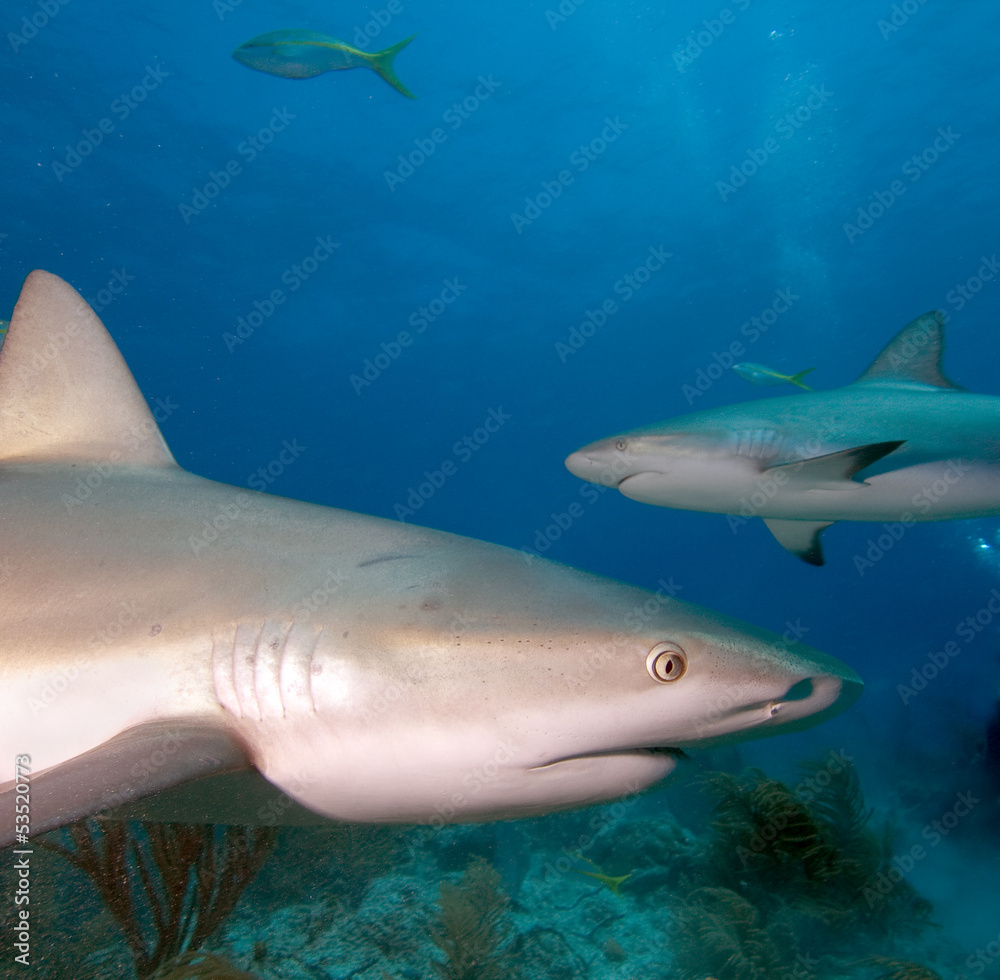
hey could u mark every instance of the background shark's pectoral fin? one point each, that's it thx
(836, 471)
(132, 765)
(801, 538)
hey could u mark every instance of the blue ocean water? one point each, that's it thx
(586, 206)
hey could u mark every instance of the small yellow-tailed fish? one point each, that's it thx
(4, 324)
(761, 375)
(306, 54)
(614, 882)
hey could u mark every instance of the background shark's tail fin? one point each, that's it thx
(382, 61)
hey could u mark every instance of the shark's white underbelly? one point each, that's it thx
(933, 491)
(943, 490)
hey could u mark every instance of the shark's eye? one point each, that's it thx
(666, 662)
(620, 445)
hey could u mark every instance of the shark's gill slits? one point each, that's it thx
(758, 443)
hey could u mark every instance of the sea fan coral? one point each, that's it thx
(472, 930)
(899, 969)
(722, 933)
(184, 879)
(810, 850)
(200, 966)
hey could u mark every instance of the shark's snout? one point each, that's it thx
(814, 698)
(756, 684)
(597, 464)
(827, 687)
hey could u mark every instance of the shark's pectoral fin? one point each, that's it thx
(801, 538)
(836, 471)
(134, 764)
(243, 798)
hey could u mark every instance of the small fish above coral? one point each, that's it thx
(760, 375)
(614, 882)
(306, 54)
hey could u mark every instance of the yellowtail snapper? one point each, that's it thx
(306, 54)
(761, 375)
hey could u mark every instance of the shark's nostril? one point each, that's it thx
(800, 691)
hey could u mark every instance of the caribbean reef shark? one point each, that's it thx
(900, 444)
(164, 632)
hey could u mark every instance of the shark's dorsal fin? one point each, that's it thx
(914, 355)
(66, 393)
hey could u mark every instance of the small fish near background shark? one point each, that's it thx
(759, 375)
(363, 668)
(306, 54)
(902, 443)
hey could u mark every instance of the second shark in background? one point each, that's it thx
(902, 443)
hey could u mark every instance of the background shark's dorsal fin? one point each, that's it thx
(914, 355)
(65, 390)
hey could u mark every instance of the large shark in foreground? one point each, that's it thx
(901, 444)
(160, 630)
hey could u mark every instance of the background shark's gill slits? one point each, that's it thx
(264, 672)
(758, 443)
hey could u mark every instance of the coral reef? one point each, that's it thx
(472, 928)
(765, 880)
(722, 933)
(787, 870)
(899, 969)
(168, 886)
(350, 855)
(811, 850)
(200, 966)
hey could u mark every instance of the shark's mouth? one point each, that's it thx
(655, 750)
(637, 486)
(641, 475)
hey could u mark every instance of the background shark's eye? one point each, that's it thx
(666, 662)
(620, 445)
